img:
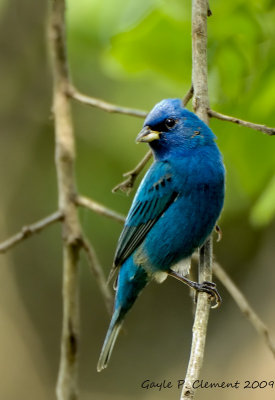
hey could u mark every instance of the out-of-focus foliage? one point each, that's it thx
(264, 209)
(152, 40)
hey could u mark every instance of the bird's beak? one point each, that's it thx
(147, 135)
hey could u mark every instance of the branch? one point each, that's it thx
(127, 185)
(244, 306)
(200, 324)
(188, 96)
(257, 127)
(97, 271)
(30, 230)
(103, 105)
(199, 59)
(200, 105)
(65, 155)
(99, 209)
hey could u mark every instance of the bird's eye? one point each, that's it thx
(170, 122)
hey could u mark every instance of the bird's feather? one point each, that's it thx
(151, 201)
(110, 340)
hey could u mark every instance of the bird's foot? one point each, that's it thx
(206, 286)
(211, 289)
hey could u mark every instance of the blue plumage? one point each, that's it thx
(175, 208)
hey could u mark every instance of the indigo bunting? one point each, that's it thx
(174, 210)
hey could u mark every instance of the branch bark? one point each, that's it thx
(201, 106)
(30, 230)
(188, 96)
(127, 185)
(64, 158)
(98, 273)
(247, 124)
(103, 105)
(99, 209)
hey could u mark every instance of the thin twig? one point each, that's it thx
(97, 271)
(127, 185)
(30, 230)
(257, 127)
(99, 208)
(244, 306)
(200, 105)
(188, 96)
(67, 387)
(103, 105)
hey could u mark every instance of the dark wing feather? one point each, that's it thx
(154, 196)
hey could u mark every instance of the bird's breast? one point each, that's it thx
(184, 226)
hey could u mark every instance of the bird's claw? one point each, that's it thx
(211, 289)
(208, 287)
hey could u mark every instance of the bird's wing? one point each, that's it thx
(153, 197)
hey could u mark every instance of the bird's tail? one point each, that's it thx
(131, 281)
(109, 341)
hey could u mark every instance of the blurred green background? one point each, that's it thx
(134, 53)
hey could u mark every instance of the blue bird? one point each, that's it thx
(174, 210)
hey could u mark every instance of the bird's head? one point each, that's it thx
(171, 128)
